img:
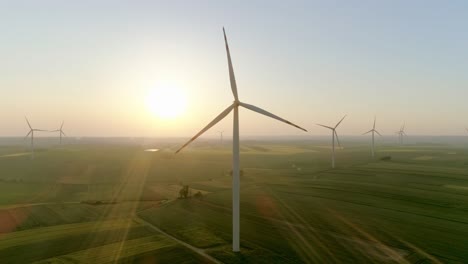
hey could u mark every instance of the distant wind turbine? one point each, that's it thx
(221, 136)
(334, 134)
(235, 147)
(60, 130)
(31, 132)
(401, 133)
(373, 141)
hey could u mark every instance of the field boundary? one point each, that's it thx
(194, 249)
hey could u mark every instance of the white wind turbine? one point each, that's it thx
(235, 147)
(401, 133)
(60, 130)
(373, 141)
(333, 129)
(31, 132)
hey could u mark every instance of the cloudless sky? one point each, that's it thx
(93, 64)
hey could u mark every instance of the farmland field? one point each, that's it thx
(108, 203)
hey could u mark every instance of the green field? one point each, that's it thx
(109, 203)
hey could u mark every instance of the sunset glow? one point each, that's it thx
(166, 102)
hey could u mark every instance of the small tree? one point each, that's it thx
(198, 195)
(386, 158)
(184, 192)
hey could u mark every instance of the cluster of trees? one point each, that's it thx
(185, 193)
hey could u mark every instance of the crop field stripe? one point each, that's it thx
(67, 244)
(47, 233)
(435, 188)
(402, 172)
(103, 254)
(399, 167)
(386, 195)
(383, 208)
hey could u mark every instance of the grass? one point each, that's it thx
(91, 242)
(149, 249)
(102, 254)
(294, 208)
(36, 244)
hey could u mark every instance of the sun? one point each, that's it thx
(166, 102)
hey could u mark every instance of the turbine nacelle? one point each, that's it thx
(31, 129)
(60, 130)
(228, 110)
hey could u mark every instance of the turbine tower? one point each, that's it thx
(60, 130)
(221, 137)
(401, 133)
(31, 132)
(333, 129)
(373, 142)
(235, 145)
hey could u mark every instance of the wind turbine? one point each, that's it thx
(235, 145)
(31, 132)
(333, 129)
(221, 136)
(401, 133)
(373, 143)
(60, 130)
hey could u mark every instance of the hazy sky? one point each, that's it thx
(94, 63)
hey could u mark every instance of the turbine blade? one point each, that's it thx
(212, 123)
(368, 132)
(30, 131)
(377, 132)
(374, 122)
(340, 121)
(41, 130)
(62, 125)
(232, 78)
(325, 126)
(337, 139)
(28, 122)
(63, 133)
(263, 112)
